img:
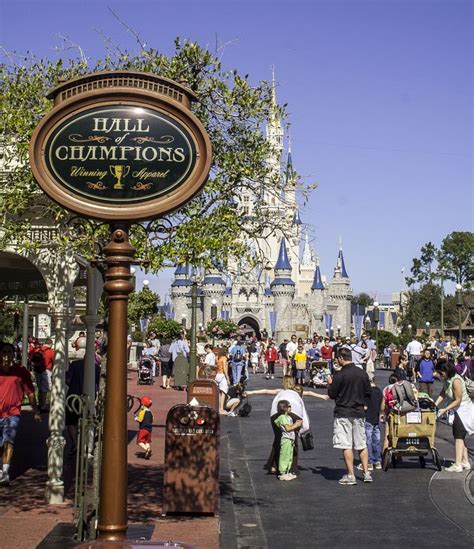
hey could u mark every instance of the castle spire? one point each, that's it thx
(297, 218)
(317, 281)
(340, 258)
(274, 128)
(307, 254)
(283, 271)
(283, 263)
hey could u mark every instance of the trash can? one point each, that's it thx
(394, 360)
(191, 479)
(205, 391)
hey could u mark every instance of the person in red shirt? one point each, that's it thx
(48, 354)
(271, 356)
(326, 352)
(15, 383)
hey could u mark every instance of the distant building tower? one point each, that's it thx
(213, 289)
(317, 301)
(179, 293)
(283, 290)
(299, 299)
(339, 297)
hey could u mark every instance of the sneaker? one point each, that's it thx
(348, 480)
(273, 377)
(292, 475)
(466, 466)
(454, 468)
(232, 414)
(267, 377)
(285, 477)
(370, 467)
(5, 479)
(378, 465)
(367, 477)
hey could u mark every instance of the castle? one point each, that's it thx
(289, 295)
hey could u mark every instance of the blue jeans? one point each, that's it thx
(372, 433)
(236, 371)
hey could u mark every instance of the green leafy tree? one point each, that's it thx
(424, 305)
(423, 269)
(456, 258)
(166, 330)
(143, 304)
(232, 109)
(362, 299)
(222, 329)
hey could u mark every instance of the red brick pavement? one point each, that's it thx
(25, 519)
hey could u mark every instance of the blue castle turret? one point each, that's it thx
(283, 290)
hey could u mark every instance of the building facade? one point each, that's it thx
(287, 293)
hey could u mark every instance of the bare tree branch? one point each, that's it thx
(68, 44)
(129, 29)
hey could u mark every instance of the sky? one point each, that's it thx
(379, 97)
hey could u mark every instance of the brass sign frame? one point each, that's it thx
(118, 88)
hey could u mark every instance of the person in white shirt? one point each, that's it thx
(414, 350)
(291, 348)
(210, 358)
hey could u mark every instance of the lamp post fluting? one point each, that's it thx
(376, 322)
(459, 304)
(213, 318)
(193, 342)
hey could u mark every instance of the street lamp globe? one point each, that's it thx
(146, 283)
(458, 287)
(376, 303)
(427, 324)
(133, 271)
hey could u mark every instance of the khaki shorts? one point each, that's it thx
(349, 433)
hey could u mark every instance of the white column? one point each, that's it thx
(90, 322)
(55, 485)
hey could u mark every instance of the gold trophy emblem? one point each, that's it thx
(119, 172)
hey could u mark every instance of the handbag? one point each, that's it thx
(245, 410)
(307, 440)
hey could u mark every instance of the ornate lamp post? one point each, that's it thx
(193, 346)
(427, 324)
(367, 323)
(376, 322)
(409, 329)
(459, 304)
(183, 320)
(338, 330)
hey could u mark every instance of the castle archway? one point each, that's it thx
(249, 326)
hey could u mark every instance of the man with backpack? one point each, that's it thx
(238, 356)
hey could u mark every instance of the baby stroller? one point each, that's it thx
(145, 372)
(319, 373)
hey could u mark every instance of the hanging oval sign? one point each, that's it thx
(124, 159)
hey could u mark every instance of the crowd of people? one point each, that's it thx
(360, 406)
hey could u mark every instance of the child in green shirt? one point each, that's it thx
(288, 427)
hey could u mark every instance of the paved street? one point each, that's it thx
(403, 507)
